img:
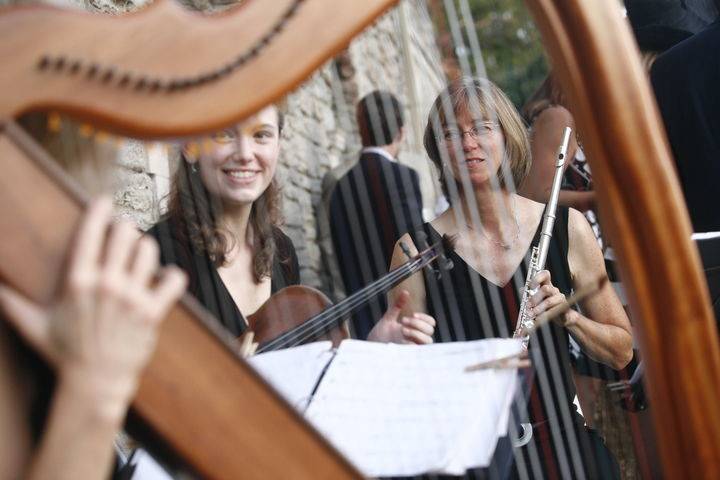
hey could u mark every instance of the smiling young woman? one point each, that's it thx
(223, 228)
(222, 224)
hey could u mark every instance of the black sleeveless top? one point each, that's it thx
(205, 283)
(467, 306)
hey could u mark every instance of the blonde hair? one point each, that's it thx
(482, 99)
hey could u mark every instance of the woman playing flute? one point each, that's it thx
(477, 141)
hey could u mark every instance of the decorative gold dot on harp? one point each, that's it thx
(192, 149)
(54, 122)
(161, 148)
(207, 146)
(86, 130)
(102, 137)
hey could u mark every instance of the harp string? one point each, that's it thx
(460, 217)
(548, 375)
(462, 30)
(360, 213)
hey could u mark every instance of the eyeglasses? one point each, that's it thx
(481, 130)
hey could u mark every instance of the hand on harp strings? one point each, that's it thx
(520, 360)
(247, 346)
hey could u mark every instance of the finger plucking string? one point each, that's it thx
(170, 287)
(119, 249)
(145, 261)
(86, 254)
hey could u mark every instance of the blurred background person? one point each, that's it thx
(373, 203)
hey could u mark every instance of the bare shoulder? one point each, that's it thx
(556, 115)
(528, 209)
(414, 284)
(578, 227)
(527, 203)
(445, 222)
(584, 255)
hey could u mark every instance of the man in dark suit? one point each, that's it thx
(686, 80)
(373, 204)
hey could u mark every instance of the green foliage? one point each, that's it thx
(510, 45)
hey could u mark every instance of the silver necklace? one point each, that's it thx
(504, 246)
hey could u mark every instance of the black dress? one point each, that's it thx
(467, 306)
(208, 288)
(205, 283)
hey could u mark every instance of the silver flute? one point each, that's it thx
(526, 322)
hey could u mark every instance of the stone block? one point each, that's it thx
(132, 155)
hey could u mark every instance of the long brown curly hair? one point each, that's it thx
(194, 212)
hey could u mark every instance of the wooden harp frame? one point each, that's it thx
(597, 63)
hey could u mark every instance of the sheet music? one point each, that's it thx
(294, 372)
(406, 409)
(704, 235)
(146, 468)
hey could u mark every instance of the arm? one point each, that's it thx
(544, 141)
(605, 334)
(603, 331)
(15, 402)
(79, 434)
(578, 200)
(406, 320)
(98, 336)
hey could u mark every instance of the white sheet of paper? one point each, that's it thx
(406, 409)
(294, 372)
(146, 468)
